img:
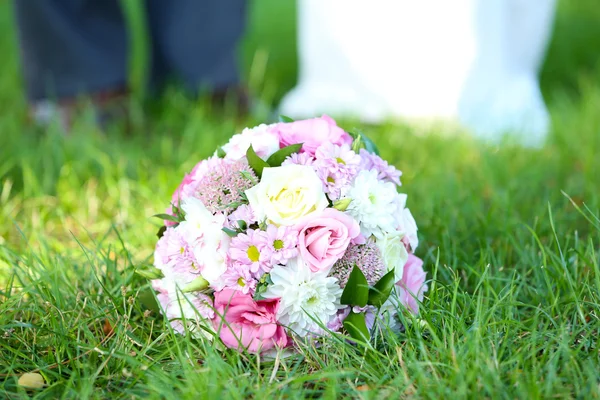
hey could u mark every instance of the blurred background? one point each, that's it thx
(91, 184)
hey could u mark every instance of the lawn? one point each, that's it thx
(510, 238)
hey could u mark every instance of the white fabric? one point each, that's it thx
(474, 61)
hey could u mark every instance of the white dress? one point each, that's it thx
(472, 61)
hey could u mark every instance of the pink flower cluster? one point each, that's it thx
(256, 256)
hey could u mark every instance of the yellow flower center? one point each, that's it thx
(278, 244)
(340, 161)
(241, 282)
(330, 180)
(253, 253)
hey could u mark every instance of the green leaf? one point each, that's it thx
(280, 155)
(356, 292)
(370, 145)
(356, 326)
(147, 299)
(283, 118)
(379, 293)
(256, 163)
(149, 272)
(230, 232)
(242, 224)
(161, 231)
(221, 153)
(167, 217)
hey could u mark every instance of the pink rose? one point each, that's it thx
(312, 132)
(412, 285)
(324, 238)
(243, 323)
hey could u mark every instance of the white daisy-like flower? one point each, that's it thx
(203, 230)
(307, 298)
(374, 203)
(263, 141)
(196, 309)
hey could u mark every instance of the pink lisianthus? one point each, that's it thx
(243, 323)
(324, 238)
(412, 286)
(312, 133)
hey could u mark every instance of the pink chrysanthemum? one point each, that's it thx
(367, 257)
(242, 213)
(299, 159)
(248, 249)
(343, 155)
(281, 244)
(175, 257)
(238, 277)
(222, 186)
(336, 166)
(384, 170)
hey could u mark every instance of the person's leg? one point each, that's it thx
(195, 41)
(71, 48)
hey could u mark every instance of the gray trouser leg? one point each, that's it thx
(195, 41)
(71, 47)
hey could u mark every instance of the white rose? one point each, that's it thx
(393, 252)
(204, 229)
(286, 194)
(263, 141)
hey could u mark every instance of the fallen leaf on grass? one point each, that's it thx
(107, 328)
(32, 380)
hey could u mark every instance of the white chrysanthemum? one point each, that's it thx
(409, 227)
(196, 309)
(307, 298)
(203, 231)
(374, 203)
(263, 141)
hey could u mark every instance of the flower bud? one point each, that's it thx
(342, 204)
(196, 285)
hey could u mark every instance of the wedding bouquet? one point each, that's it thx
(291, 230)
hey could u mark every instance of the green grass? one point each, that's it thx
(514, 301)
